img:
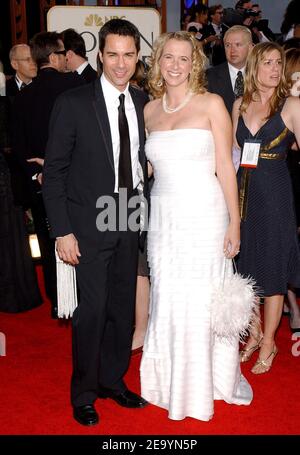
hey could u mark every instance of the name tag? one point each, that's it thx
(250, 153)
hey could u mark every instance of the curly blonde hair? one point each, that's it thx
(251, 84)
(197, 79)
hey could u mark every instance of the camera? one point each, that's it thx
(250, 13)
(236, 17)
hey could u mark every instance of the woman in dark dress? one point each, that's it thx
(18, 283)
(269, 244)
(292, 74)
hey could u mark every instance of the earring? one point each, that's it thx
(160, 83)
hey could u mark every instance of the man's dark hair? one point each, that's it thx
(240, 4)
(42, 45)
(291, 16)
(119, 27)
(198, 9)
(74, 42)
(212, 9)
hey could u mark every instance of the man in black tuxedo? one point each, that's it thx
(216, 28)
(25, 67)
(25, 71)
(31, 115)
(226, 79)
(76, 55)
(95, 149)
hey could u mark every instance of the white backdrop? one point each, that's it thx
(87, 20)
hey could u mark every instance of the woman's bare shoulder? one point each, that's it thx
(292, 102)
(211, 100)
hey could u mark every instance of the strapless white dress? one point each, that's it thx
(185, 367)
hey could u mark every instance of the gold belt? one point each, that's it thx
(245, 178)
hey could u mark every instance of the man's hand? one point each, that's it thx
(248, 21)
(67, 249)
(37, 160)
(40, 178)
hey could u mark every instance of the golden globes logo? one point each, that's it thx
(98, 21)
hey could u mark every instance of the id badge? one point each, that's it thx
(250, 153)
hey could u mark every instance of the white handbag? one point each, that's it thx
(235, 304)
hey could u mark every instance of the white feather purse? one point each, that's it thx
(66, 288)
(235, 306)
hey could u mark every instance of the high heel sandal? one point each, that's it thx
(246, 354)
(265, 367)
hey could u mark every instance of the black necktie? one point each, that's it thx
(125, 170)
(22, 86)
(239, 85)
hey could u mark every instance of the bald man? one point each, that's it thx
(25, 67)
(222, 78)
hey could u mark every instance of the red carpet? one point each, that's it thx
(35, 375)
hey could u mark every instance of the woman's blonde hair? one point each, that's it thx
(197, 76)
(292, 65)
(251, 83)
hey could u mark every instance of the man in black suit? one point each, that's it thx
(217, 29)
(226, 79)
(31, 115)
(76, 55)
(95, 150)
(260, 26)
(25, 67)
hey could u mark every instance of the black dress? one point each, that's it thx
(269, 244)
(18, 283)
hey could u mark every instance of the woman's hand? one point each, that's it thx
(232, 240)
(150, 169)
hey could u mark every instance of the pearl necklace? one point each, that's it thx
(170, 110)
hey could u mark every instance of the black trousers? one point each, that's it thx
(47, 247)
(103, 321)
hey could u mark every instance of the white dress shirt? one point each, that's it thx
(233, 73)
(82, 67)
(217, 29)
(111, 97)
(20, 82)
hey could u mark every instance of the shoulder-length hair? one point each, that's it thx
(251, 84)
(197, 77)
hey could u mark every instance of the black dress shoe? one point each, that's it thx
(126, 399)
(86, 415)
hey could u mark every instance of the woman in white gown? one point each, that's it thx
(194, 223)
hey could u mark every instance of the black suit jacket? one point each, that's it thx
(89, 74)
(11, 87)
(31, 114)
(217, 51)
(219, 82)
(79, 165)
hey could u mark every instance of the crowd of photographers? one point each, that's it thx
(211, 23)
